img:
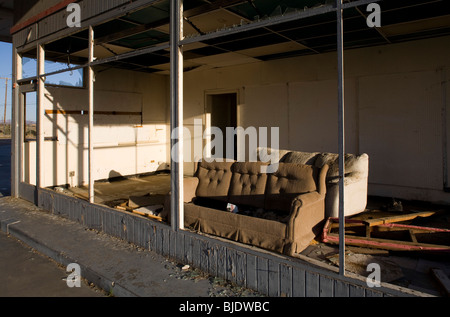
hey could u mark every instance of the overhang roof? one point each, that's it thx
(401, 20)
(6, 19)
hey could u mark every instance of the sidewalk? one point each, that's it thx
(119, 268)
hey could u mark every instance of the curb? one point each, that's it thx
(9, 227)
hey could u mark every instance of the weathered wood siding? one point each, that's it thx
(270, 274)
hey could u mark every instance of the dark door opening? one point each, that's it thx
(223, 111)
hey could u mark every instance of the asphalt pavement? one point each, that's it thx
(36, 248)
(24, 272)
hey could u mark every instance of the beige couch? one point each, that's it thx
(281, 211)
(355, 181)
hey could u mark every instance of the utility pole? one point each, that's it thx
(6, 100)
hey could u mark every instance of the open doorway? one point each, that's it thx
(221, 111)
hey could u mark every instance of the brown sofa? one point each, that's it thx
(281, 212)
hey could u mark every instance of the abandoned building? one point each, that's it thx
(118, 149)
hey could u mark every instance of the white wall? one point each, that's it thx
(123, 144)
(394, 101)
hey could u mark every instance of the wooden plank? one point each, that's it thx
(312, 284)
(85, 112)
(152, 238)
(263, 275)
(326, 286)
(251, 274)
(384, 220)
(222, 262)
(196, 249)
(387, 244)
(274, 278)
(231, 265)
(212, 260)
(356, 291)
(172, 244)
(188, 249)
(204, 255)
(285, 280)
(298, 282)
(373, 293)
(412, 235)
(240, 268)
(443, 279)
(179, 248)
(341, 289)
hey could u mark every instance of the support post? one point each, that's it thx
(91, 117)
(341, 134)
(16, 162)
(40, 119)
(176, 120)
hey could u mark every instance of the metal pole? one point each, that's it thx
(40, 118)
(6, 101)
(341, 134)
(176, 107)
(15, 117)
(91, 116)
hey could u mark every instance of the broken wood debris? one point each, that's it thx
(443, 279)
(142, 211)
(386, 233)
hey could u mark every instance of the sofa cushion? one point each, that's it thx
(211, 221)
(355, 166)
(214, 179)
(289, 181)
(247, 184)
(300, 157)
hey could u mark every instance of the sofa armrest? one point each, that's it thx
(190, 186)
(306, 219)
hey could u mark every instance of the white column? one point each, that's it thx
(16, 163)
(91, 115)
(176, 108)
(341, 133)
(40, 96)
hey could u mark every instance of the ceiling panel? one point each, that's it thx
(215, 20)
(401, 20)
(272, 49)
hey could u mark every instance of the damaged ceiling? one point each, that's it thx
(6, 19)
(401, 20)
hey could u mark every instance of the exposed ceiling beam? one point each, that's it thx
(187, 14)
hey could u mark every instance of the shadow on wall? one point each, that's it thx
(115, 176)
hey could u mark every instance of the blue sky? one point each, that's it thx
(5, 71)
(29, 70)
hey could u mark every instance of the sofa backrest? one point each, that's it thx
(355, 165)
(243, 184)
(247, 184)
(289, 181)
(355, 182)
(214, 179)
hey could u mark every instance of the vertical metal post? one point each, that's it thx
(445, 130)
(341, 134)
(16, 166)
(40, 118)
(176, 108)
(91, 116)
